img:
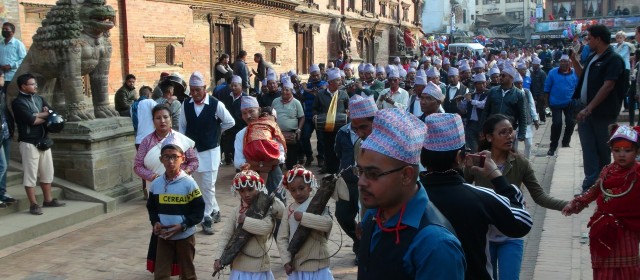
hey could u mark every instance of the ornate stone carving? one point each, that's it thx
(73, 41)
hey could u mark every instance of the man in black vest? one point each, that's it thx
(321, 105)
(203, 119)
(403, 235)
(231, 101)
(455, 92)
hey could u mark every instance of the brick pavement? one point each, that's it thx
(114, 246)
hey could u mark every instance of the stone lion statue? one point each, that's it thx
(72, 42)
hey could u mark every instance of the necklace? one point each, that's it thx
(168, 182)
(396, 228)
(608, 194)
(446, 172)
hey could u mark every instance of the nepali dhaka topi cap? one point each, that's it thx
(453, 71)
(433, 90)
(445, 132)
(362, 107)
(196, 79)
(402, 142)
(248, 102)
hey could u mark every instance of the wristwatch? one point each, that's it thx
(184, 227)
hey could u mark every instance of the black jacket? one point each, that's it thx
(512, 104)
(24, 107)
(609, 66)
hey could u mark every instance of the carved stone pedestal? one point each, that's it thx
(97, 154)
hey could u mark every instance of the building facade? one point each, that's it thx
(440, 16)
(155, 36)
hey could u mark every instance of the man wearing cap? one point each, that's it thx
(414, 107)
(361, 112)
(273, 91)
(403, 235)
(478, 68)
(600, 90)
(545, 57)
(394, 96)
(311, 88)
(434, 77)
(455, 92)
(203, 119)
(368, 85)
(431, 100)
(471, 109)
(321, 105)
(290, 120)
(380, 74)
(348, 73)
(531, 116)
(410, 81)
(508, 100)
(538, 77)
(558, 89)
(471, 210)
(465, 74)
(232, 102)
(494, 76)
(522, 70)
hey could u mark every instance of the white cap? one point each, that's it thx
(412, 70)
(535, 60)
(347, 66)
(517, 78)
(479, 78)
(236, 80)
(286, 83)
(420, 81)
(196, 79)
(314, 68)
(396, 60)
(437, 61)
(433, 73)
(333, 73)
(369, 68)
(402, 72)
(494, 71)
(379, 69)
(446, 61)
(453, 72)
(421, 73)
(522, 65)
(393, 74)
(564, 57)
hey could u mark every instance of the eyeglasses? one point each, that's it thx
(34, 84)
(373, 175)
(506, 132)
(170, 157)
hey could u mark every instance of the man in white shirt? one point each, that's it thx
(394, 96)
(203, 119)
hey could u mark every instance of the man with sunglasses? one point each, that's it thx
(404, 236)
(470, 209)
(598, 96)
(203, 119)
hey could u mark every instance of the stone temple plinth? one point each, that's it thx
(97, 154)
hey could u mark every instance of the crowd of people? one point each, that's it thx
(425, 152)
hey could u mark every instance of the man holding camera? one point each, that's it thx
(31, 112)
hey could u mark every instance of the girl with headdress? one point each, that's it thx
(614, 232)
(252, 262)
(312, 260)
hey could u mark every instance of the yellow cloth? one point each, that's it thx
(331, 114)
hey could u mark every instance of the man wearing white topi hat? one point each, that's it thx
(508, 100)
(203, 119)
(394, 96)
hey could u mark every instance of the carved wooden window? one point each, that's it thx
(164, 54)
(383, 8)
(164, 50)
(271, 51)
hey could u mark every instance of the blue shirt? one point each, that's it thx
(434, 253)
(526, 82)
(586, 50)
(560, 87)
(309, 97)
(12, 53)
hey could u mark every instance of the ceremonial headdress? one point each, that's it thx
(248, 179)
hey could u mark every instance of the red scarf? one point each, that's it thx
(615, 215)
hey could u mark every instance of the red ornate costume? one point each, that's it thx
(260, 143)
(615, 225)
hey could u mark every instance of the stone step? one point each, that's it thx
(21, 226)
(22, 203)
(14, 178)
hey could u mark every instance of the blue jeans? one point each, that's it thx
(4, 164)
(305, 140)
(594, 135)
(506, 258)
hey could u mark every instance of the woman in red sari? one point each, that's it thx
(615, 225)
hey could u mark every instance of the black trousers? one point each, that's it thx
(556, 126)
(292, 155)
(346, 212)
(540, 107)
(331, 161)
